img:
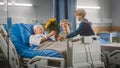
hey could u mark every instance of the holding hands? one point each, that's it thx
(61, 37)
(53, 33)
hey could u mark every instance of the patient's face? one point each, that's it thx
(38, 30)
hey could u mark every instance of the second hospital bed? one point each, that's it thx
(87, 57)
(110, 46)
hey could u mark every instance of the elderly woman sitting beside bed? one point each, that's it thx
(41, 40)
(65, 24)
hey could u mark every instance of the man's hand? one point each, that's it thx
(53, 33)
(48, 35)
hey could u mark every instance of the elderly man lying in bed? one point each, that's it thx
(42, 40)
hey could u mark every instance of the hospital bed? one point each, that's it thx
(15, 59)
(87, 57)
(112, 49)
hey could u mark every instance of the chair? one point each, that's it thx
(15, 59)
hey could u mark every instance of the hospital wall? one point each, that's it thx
(41, 10)
(109, 16)
(111, 12)
(101, 18)
(105, 18)
(115, 15)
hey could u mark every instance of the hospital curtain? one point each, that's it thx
(64, 9)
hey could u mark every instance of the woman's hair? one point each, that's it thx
(35, 26)
(80, 12)
(65, 21)
(86, 21)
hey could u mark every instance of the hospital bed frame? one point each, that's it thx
(113, 56)
(88, 57)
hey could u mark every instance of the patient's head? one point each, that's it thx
(38, 29)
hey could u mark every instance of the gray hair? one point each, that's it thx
(35, 26)
(66, 21)
(80, 12)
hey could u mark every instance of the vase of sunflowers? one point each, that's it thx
(51, 25)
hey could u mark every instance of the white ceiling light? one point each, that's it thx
(1, 3)
(89, 7)
(21, 4)
(17, 4)
(13, 2)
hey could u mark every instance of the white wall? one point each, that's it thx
(41, 10)
(116, 12)
(99, 17)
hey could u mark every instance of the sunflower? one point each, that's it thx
(52, 25)
(47, 24)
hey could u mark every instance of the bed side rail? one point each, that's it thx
(114, 57)
(2, 29)
(90, 54)
(13, 57)
(44, 60)
(85, 39)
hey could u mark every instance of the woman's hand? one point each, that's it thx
(51, 34)
(61, 37)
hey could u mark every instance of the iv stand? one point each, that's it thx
(9, 24)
